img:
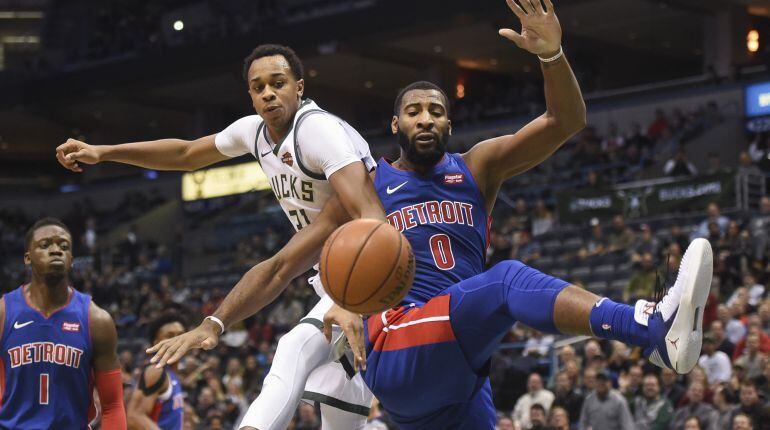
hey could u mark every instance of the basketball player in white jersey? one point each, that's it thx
(308, 155)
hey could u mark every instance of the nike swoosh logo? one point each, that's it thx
(267, 153)
(599, 303)
(393, 190)
(17, 325)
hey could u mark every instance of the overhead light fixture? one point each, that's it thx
(460, 90)
(752, 41)
(179, 25)
(20, 14)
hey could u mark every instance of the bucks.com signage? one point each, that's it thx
(647, 199)
(757, 107)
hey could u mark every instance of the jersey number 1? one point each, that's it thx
(43, 388)
(441, 248)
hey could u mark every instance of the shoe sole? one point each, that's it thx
(685, 337)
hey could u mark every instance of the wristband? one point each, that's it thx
(554, 58)
(217, 321)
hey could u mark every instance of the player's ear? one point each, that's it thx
(27, 259)
(394, 125)
(449, 122)
(300, 87)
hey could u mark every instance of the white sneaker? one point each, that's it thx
(676, 325)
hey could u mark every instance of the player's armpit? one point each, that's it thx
(356, 193)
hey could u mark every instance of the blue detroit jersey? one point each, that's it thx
(451, 241)
(169, 408)
(46, 381)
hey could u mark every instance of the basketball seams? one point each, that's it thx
(355, 261)
(390, 274)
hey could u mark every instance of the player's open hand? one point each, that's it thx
(72, 152)
(169, 351)
(540, 28)
(353, 326)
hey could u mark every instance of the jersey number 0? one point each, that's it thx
(441, 248)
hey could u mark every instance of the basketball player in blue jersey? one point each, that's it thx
(428, 360)
(158, 401)
(56, 345)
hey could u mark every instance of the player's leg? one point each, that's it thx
(299, 352)
(483, 308)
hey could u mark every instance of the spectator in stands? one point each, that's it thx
(621, 237)
(706, 413)
(759, 227)
(559, 419)
(596, 244)
(752, 406)
(521, 219)
(595, 180)
(679, 165)
(542, 219)
(565, 395)
(742, 422)
(535, 394)
(630, 383)
(646, 242)
(720, 340)
(764, 315)
(693, 423)
(286, 314)
(715, 363)
(538, 343)
(714, 215)
(752, 358)
(677, 237)
(651, 411)
(671, 388)
(605, 408)
(715, 164)
(505, 423)
(762, 382)
(759, 151)
(746, 167)
(536, 417)
(307, 418)
(733, 326)
(525, 249)
(723, 406)
(642, 283)
(637, 139)
(714, 236)
(659, 125)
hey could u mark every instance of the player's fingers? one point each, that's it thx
(180, 352)
(517, 10)
(167, 354)
(527, 6)
(77, 155)
(549, 5)
(361, 354)
(158, 349)
(328, 330)
(538, 5)
(208, 343)
(67, 146)
(512, 35)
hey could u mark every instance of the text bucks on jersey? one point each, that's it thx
(301, 190)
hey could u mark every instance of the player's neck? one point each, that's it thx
(47, 298)
(403, 163)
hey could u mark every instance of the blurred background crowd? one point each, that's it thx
(676, 148)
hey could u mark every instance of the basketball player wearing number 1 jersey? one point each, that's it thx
(56, 345)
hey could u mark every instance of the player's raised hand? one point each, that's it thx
(169, 351)
(353, 326)
(72, 152)
(540, 28)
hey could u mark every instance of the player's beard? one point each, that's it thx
(425, 158)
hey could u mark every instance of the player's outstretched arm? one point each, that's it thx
(163, 154)
(106, 368)
(497, 159)
(153, 382)
(355, 190)
(259, 286)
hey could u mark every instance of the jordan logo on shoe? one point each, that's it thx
(674, 342)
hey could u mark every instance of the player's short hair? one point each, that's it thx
(268, 50)
(43, 223)
(419, 85)
(167, 317)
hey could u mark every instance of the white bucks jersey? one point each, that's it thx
(297, 167)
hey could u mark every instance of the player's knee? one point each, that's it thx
(506, 269)
(299, 335)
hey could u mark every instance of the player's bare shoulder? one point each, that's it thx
(102, 326)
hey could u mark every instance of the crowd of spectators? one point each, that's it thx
(596, 384)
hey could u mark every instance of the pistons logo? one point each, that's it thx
(288, 159)
(454, 178)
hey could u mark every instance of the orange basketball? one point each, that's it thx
(367, 266)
